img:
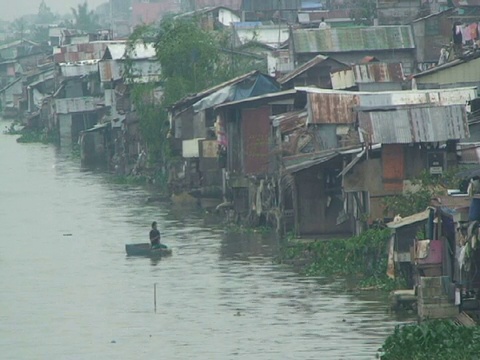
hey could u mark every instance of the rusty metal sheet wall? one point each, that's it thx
(256, 133)
(393, 163)
(331, 108)
(342, 79)
(415, 125)
(378, 72)
(108, 70)
(290, 121)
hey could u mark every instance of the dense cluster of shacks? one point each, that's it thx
(343, 117)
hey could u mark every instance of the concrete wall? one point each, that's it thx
(65, 129)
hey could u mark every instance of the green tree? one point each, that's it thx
(40, 34)
(45, 14)
(364, 12)
(189, 58)
(19, 27)
(85, 19)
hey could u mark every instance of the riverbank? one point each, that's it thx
(362, 258)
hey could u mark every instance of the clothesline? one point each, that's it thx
(466, 32)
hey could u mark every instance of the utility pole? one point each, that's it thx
(111, 20)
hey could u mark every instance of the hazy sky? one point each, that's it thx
(12, 9)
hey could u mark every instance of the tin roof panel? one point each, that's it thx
(418, 124)
(353, 39)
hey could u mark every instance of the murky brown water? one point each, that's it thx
(69, 292)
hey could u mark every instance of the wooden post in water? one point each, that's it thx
(155, 296)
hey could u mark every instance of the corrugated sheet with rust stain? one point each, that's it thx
(290, 121)
(344, 39)
(378, 72)
(256, 133)
(331, 108)
(108, 70)
(393, 164)
(415, 124)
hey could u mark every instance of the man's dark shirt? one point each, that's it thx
(154, 233)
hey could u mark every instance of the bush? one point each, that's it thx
(438, 340)
(363, 256)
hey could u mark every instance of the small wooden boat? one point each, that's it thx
(144, 249)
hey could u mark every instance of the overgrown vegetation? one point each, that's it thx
(427, 187)
(32, 135)
(191, 60)
(435, 340)
(363, 257)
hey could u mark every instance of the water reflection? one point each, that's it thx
(248, 246)
(219, 296)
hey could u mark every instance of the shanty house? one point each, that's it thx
(350, 44)
(413, 138)
(370, 76)
(432, 34)
(192, 122)
(460, 72)
(315, 72)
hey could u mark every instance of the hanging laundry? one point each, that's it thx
(465, 34)
(457, 34)
(473, 30)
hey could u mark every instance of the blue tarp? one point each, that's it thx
(255, 85)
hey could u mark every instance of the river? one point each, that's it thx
(69, 292)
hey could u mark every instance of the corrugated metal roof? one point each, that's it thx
(109, 70)
(290, 121)
(342, 79)
(470, 153)
(352, 163)
(415, 124)
(271, 35)
(141, 51)
(297, 163)
(378, 72)
(340, 39)
(79, 52)
(454, 96)
(331, 108)
(79, 69)
(305, 67)
(232, 4)
(143, 70)
(456, 62)
(274, 96)
(409, 220)
(193, 98)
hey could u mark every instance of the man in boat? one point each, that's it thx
(155, 237)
